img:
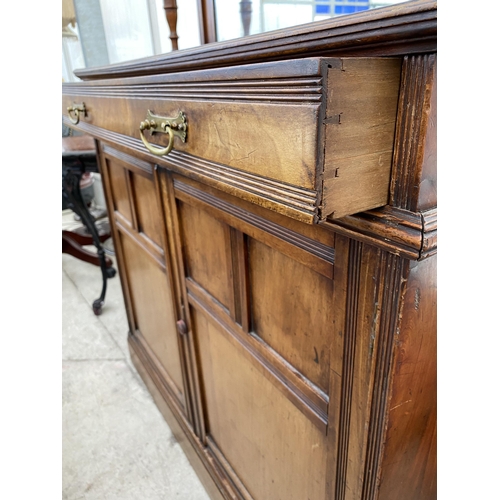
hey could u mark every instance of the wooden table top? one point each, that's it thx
(82, 143)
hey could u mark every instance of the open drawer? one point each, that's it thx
(307, 138)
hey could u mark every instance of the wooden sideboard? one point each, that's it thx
(278, 264)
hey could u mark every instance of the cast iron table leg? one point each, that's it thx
(72, 194)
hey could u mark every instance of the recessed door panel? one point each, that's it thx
(148, 219)
(153, 308)
(270, 445)
(291, 310)
(205, 242)
(119, 187)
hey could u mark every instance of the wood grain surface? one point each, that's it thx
(279, 268)
(359, 136)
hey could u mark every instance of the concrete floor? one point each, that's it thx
(116, 444)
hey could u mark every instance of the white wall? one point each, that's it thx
(127, 29)
(72, 57)
(135, 29)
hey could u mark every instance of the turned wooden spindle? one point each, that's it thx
(170, 7)
(246, 15)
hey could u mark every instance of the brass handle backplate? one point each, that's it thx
(76, 109)
(158, 124)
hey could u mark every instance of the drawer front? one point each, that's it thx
(253, 137)
(291, 136)
(294, 197)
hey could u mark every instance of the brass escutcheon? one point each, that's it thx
(76, 109)
(158, 124)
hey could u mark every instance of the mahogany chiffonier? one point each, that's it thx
(273, 208)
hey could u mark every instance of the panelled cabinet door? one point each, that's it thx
(140, 243)
(260, 298)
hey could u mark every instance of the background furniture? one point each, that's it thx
(279, 263)
(78, 158)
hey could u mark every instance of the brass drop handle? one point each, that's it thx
(76, 109)
(157, 124)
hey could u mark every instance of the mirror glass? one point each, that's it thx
(102, 32)
(247, 17)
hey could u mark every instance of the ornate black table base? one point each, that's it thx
(73, 167)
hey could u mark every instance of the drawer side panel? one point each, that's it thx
(359, 135)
